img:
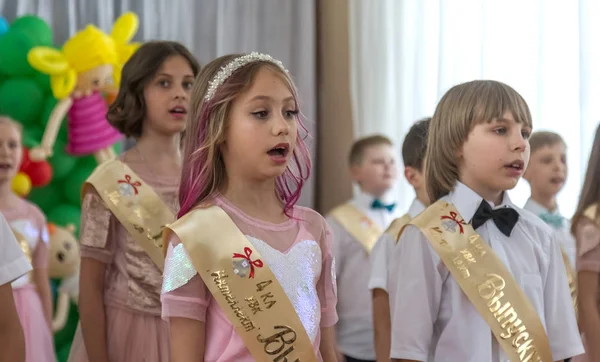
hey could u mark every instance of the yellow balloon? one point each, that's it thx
(21, 184)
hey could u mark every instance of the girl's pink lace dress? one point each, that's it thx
(298, 252)
(134, 328)
(30, 222)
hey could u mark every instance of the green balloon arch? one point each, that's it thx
(26, 97)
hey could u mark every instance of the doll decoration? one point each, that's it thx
(89, 64)
(63, 264)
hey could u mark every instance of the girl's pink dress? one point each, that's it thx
(298, 252)
(89, 131)
(587, 235)
(30, 222)
(134, 328)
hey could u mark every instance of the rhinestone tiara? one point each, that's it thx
(227, 70)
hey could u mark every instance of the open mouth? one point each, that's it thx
(5, 166)
(517, 165)
(178, 110)
(280, 150)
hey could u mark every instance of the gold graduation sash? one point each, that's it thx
(25, 247)
(24, 244)
(572, 279)
(397, 225)
(243, 285)
(358, 225)
(591, 213)
(486, 282)
(135, 204)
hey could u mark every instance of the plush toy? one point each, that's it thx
(88, 65)
(64, 265)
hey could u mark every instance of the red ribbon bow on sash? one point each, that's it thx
(253, 263)
(135, 184)
(453, 216)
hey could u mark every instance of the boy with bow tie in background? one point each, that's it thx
(356, 225)
(546, 174)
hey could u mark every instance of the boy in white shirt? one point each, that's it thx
(413, 154)
(356, 225)
(478, 279)
(13, 265)
(546, 174)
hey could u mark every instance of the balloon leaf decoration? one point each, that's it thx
(26, 96)
(21, 99)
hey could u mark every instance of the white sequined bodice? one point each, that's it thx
(297, 270)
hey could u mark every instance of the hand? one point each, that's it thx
(38, 154)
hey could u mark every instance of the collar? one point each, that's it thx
(467, 201)
(416, 207)
(365, 200)
(538, 209)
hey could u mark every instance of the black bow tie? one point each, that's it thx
(504, 218)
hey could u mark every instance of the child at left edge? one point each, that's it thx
(356, 226)
(31, 291)
(13, 265)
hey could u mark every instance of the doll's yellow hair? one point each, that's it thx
(86, 50)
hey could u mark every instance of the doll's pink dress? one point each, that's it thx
(134, 328)
(587, 235)
(89, 130)
(28, 220)
(298, 252)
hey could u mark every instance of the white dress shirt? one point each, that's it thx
(434, 321)
(13, 263)
(382, 253)
(354, 330)
(563, 232)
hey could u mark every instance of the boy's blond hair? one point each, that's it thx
(541, 139)
(357, 151)
(459, 110)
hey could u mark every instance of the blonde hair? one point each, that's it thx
(541, 139)
(12, 122)
(204, 170)
(459, 110)
(359, 147)
(86, 50)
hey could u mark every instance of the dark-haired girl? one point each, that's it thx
(126, 204)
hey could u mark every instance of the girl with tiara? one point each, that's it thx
(248, 274)
(13, 265)
(479, 279)
(89, 63)
(32, 291)
(126, 202)
(586, 228)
